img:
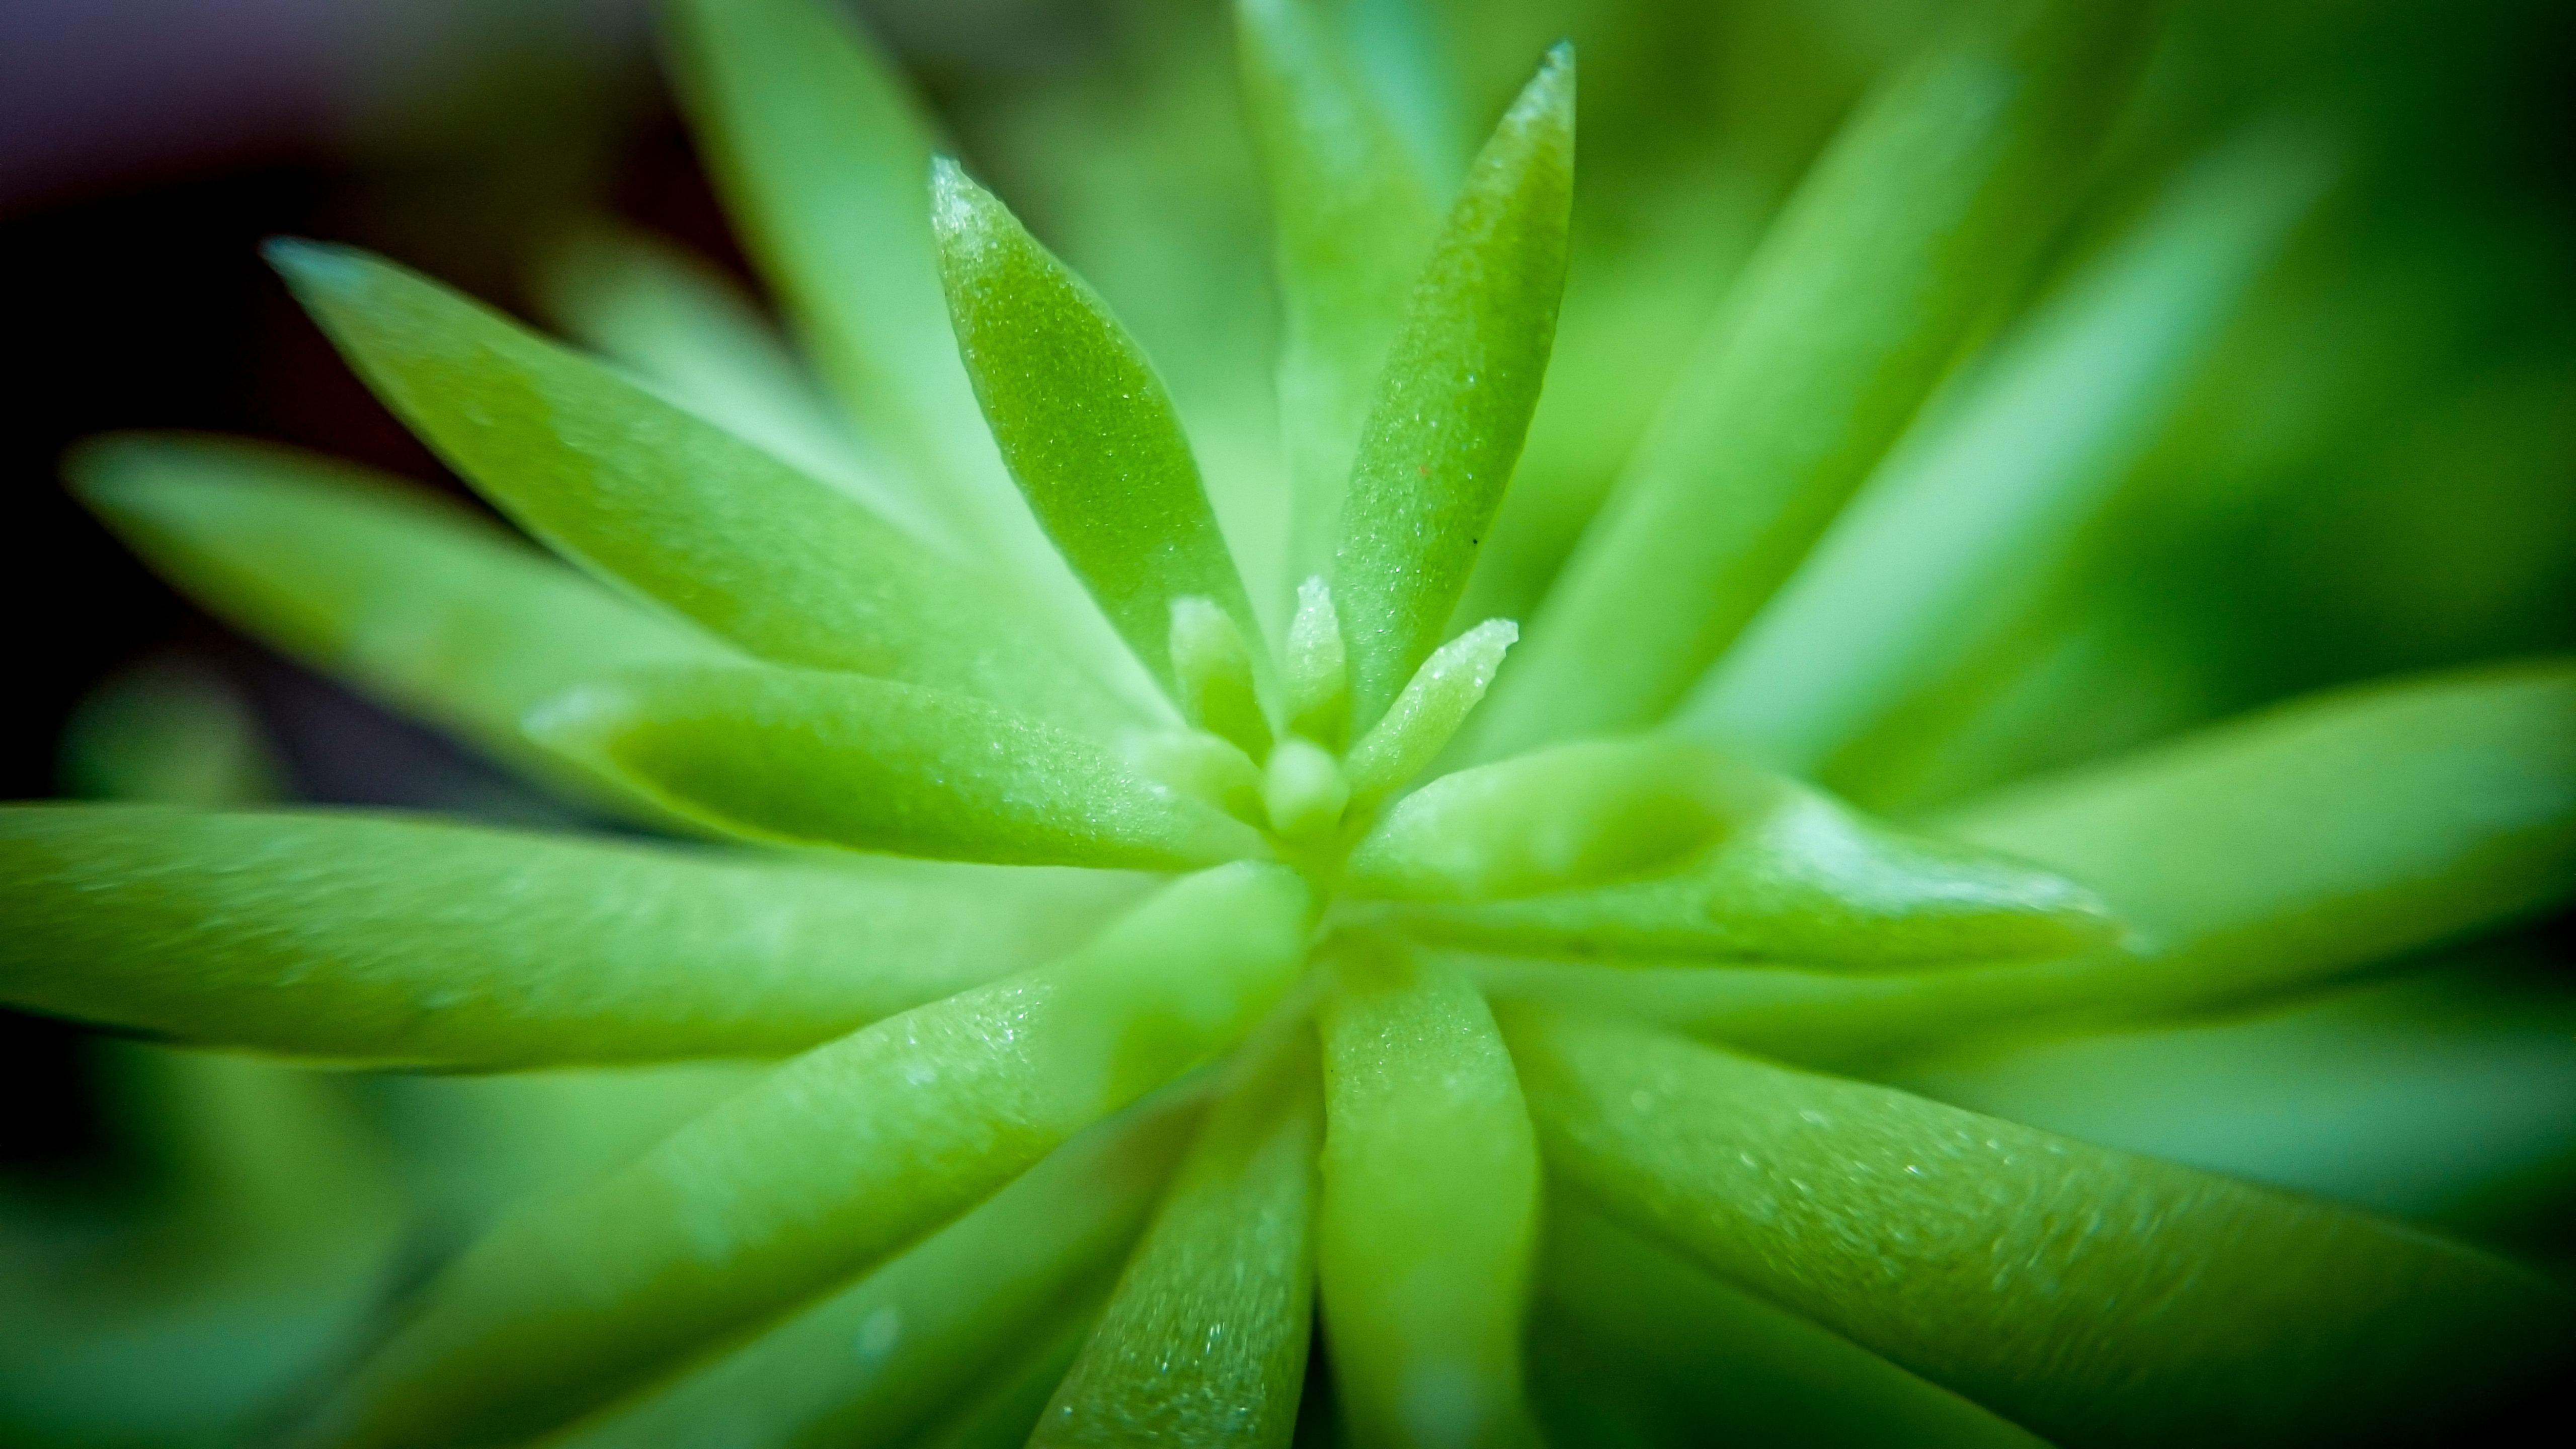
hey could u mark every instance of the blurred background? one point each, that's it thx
(2369, 468)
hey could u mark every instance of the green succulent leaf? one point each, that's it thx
(1204, 1342)
(1455, 399)
(382, 583)
(655, 497)
(841, 759)
(678, 324)
(1428, 1214)
(355, 937)
(1423, 719)
(835, 1162)
(820, 152)
(1705, 859)
(2088, 1294)
(1083, 422)
(1915, 220)
(2269, 852)
(998, 1414)
(1940, 551)
(1712, 1353)
(1355, 218)
(874, 1362)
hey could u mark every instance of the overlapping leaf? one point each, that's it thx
(672, 506)
(2093, 1296)
(838, 1160)
(841, 759)
(1914, 220)
(371, 938)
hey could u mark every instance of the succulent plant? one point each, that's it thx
(1165, 972)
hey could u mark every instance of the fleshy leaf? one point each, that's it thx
(999, 1413)
(1915, 219)
(820, 153)
(1781, 872)
(1216, 683)
(1935, 555)
(1713, 1353)
(928, 1325)
(1204, 1343)
(1355, 218)
(1438, 699)
(1455, 399)
(1304, 791)
(368, 938)
(1429, 1208)
(386, 585)
(650, 494)
(2091, 1295)
(1318, 669)
(1084, 423)
(2337, 830)
(841, 759)
(678, 324)
(838, 1160)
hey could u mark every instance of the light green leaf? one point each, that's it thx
(1318, 669)
(841, 759)
(820, 153)
(1915, 219)
(1941, 552)
(1355, 218)
(384, 584)
(2090, 1295)
(651, 495)
(1084, 423)
(1455, 398)
(871, 1364)
(1662, 848)
(1204, 1342)
(835, 1162)
(2335, 831)
(1715, 1354)
(1217, 684)
(2448, 1097)
(2343, 828)
(678, 324)
(368, 938)
(1429, 1208)
(1435, 702)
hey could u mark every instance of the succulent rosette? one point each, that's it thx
(1192, 939)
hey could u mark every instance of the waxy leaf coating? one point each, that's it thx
(1455, 400)
(840, 759)
(657, 498)
(1429, 1211)
(2089, 1294)
(838, 1160)
(1083, 422)
(371, 938)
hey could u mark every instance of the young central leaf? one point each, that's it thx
(1083, 422)
(1457, 395)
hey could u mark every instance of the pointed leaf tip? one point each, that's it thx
(1454, 403)
(1083, 423)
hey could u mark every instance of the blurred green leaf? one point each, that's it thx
(1000, 1413)
(380, 582)
(1454, 401)
(1355, 217)
(841, 759)
(872, 1363)
(1712, 1353)
(1659, 848)
(1429, 1209)
(2086, 1293)
(1915, 220)
(354, 937)
(677, 323)
(168, 731)
(674, 507)
(838, 1160)
(1980, 504)
(1204, 1341)
(1083, 422)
